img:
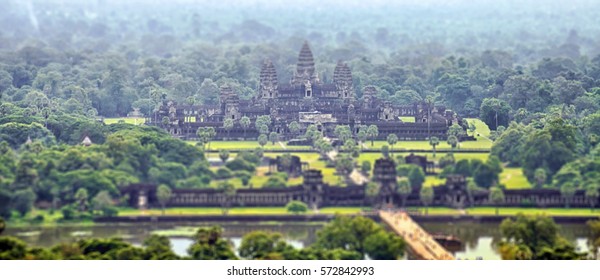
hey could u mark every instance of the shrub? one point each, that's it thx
(296, 207)
(223, 173)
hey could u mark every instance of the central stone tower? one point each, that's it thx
(305, 69)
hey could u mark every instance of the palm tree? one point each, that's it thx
(452, 141)
(591, 193)
(404, 189)
(426, 196)
(245, 123)
(496, 197)
(372, 132)
(392, 139)
(228, 190)
(274, 137)
(434, 141)
(263, 140)
(372, 191)
(540, 177)
(294, 128)
(228, 125)
(567, 191)
(163, 194)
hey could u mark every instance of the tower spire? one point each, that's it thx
(305, 69)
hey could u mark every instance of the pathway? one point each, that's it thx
(420, 242)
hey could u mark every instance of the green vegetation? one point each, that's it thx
(134, 121)
(343, 238)
(535, 238)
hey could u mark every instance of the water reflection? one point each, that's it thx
(477, 239)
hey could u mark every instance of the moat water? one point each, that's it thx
(477, 239)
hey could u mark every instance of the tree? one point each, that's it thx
(2, 225)
(82, 199)
(245, 123)
(228, 125)
(372, 132)
(262, 124)
(592, 194)
(224, 155)
(244, 176)
(262, 140)
(540, 177)
(567, 191)
(494, 112)
(496, 196)
(228, 191)
(158, 247)
(485, 176)
(455, 130)
(103, 202)
(165, 121)
(426, 195)
(434, 141)
(594, 238)
(383, 245)
(372, 191)
(343, 133)
(273, 137)
(294, 127)
(205, 135)
(362, 136)
(355, 234)
(210, 245)
(260, 245)
(344, 165)
(416, 176)
(163, 194)
(365, 167)
(392, 139)
(534, 237)
(403, 189)
(472, 128)
(385, 151)
(296, 207)
(452, 141)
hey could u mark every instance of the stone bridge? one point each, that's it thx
(421, 244)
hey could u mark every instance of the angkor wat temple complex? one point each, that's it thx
(306, 100)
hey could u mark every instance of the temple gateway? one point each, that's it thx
(305, 100)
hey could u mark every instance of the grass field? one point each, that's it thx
(477, 211)
(513, 178)
(126, 120)
(408, 119)
(480, 127)
(236, 211)
(249, 145)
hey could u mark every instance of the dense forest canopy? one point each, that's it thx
(529, 69)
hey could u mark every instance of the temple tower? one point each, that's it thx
(305, 69)
(230, 103)
(342, 78)
(268, 80)
(369, 97)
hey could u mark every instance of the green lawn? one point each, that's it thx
(408, 119)
(234, 211)
(534, 211)
(513, 178)
(249, 145)
(432, 181)
(478, 211)
(481, 143)
(509, 211)
(126, 120)
(480, 127)
(50, 220)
